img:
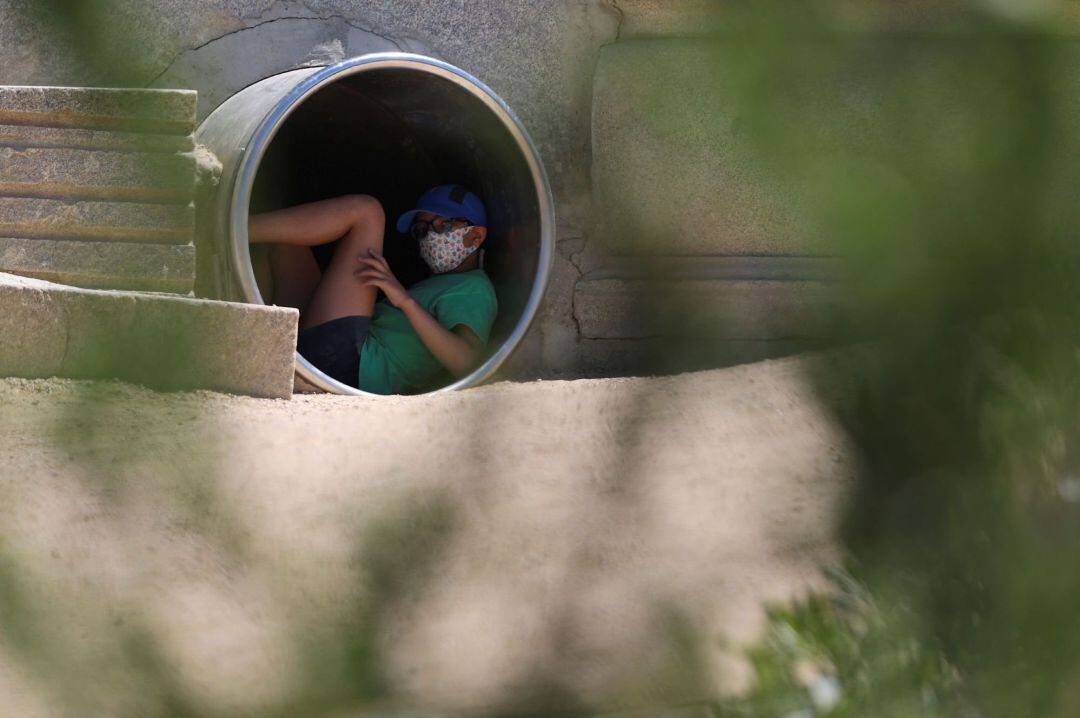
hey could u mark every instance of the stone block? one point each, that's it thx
(673, 268)
(76, 138)
(655, 356)
(93, 174)
(703, 308)
(159, 111)
(161, 341)
(115, 221)
(102, 265)
(670, 174)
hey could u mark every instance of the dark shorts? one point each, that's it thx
(334, 347)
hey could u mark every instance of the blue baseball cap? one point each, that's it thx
(448, 200)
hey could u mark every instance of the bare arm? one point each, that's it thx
(459, 350)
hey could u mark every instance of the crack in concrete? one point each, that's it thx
(573, 313)
(573, 259)
(271, 21)
(622, 18)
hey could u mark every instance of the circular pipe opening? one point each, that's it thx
(390, 125)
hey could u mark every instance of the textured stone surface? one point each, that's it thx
(157, 340)
(704, 309)
(78, 138)
(564, 566)
(103, 265)
(220, 68)
(91, 174)
(97, 164)
(538, 55)
(160, 111)
(121, 221)
(674, 355)
(669, 173)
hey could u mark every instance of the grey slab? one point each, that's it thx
(162, 111)
(707, 309)
(659, 356)
(160, 341)
(115, 221)
(92, 174)
(670, 173)
(78, 138)
(716, 267)
(104, 265)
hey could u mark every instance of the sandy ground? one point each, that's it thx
(593, 543)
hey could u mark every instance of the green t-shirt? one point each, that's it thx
(393, 360)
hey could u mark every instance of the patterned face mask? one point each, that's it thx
(444, 251)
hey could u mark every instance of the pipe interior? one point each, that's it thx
(393, 133)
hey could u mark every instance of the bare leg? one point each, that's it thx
(309, 224)
(357, 220)
(339, 294)
(295, 275)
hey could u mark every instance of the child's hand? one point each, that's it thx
(374, 271)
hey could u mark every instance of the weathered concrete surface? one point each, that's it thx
(156, 111)
(117, 221)
(672, 268)
(542, 548)
(98, 164)
(669, 173)
(93, 174)
(221, 68)
(102, 265)
(157, 340)
(78, 138)
(707, 309)
(673, 355)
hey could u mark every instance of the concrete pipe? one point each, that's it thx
(390, 125)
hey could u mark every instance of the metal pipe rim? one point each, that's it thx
(260, 141)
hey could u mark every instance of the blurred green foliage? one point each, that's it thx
(941, 169)
(844, 655)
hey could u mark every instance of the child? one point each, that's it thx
(398, 345)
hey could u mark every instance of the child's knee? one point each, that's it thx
(364, 208)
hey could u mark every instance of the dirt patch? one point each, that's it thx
(591, 543)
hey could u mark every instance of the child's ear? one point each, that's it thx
(475, 236)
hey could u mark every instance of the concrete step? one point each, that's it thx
(113, 221)
(665, 356)
(823, 269)
(102, 265)
(170, 112)
(31, 136)
(50, 172)
(160, 341)
(97, 187)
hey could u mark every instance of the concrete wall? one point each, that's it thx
(583, 75)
